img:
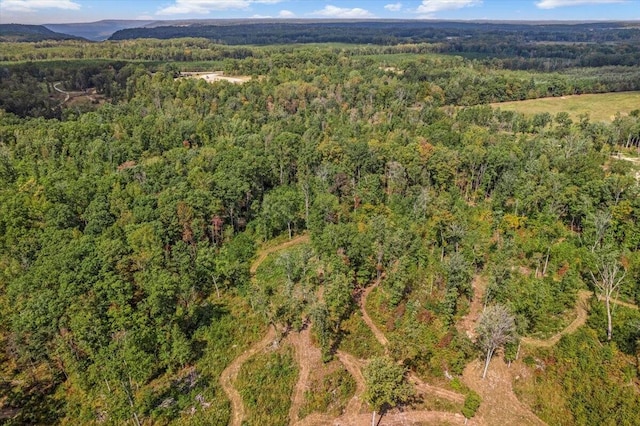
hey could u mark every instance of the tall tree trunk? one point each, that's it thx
(486, 363)
(608, 304)
(305, 191)
(373, 419)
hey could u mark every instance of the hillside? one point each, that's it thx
(19, 32)
(264, 32)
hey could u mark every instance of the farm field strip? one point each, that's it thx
(599, 107)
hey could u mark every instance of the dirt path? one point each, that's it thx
(427, 389)
(468, 323)
(67, 94)
(308, 357)
(619, 303)
(380, 337)
(230, 374)
(266, 252)
(352, 364)
(397, 418)
(581, 318)
(402, 418)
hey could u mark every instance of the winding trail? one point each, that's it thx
(581, 319)
(582, 305)
(380, 337)
(352, 364)
(230, 374)
(619, 302)
(67, 94)
(355, 414)
(304, 238)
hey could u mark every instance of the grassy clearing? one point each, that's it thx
(266, 382)
(331, 388)
(599, 107)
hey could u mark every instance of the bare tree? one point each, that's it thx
(496, 327)
(607, 281)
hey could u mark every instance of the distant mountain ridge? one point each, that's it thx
(20, 32)
(97, 31)
(272, 31)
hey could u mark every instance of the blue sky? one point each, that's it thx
(65, 11)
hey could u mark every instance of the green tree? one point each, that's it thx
(386, 384)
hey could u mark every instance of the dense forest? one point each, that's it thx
(353, 220)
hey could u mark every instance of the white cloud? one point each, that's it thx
(205, 6)
(429, 7)
(330, 11)
(286, 14)
(34, 5)
(393, 7)
(552, 4)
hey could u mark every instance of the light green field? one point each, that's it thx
(599, 107)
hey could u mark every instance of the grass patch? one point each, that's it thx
(435, 403)
(582, 381)
(599, 107)
(329, 393)
(266, 382)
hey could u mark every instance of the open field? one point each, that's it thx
(599, 107)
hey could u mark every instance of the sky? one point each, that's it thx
(67, 11)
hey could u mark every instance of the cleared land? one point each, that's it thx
(599, 107)
(212, 76)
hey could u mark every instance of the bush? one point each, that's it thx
(471, 404)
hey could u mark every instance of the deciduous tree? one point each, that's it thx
(496, 328)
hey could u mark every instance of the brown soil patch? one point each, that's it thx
(213, 76)
(468, 323)
(500, 406)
